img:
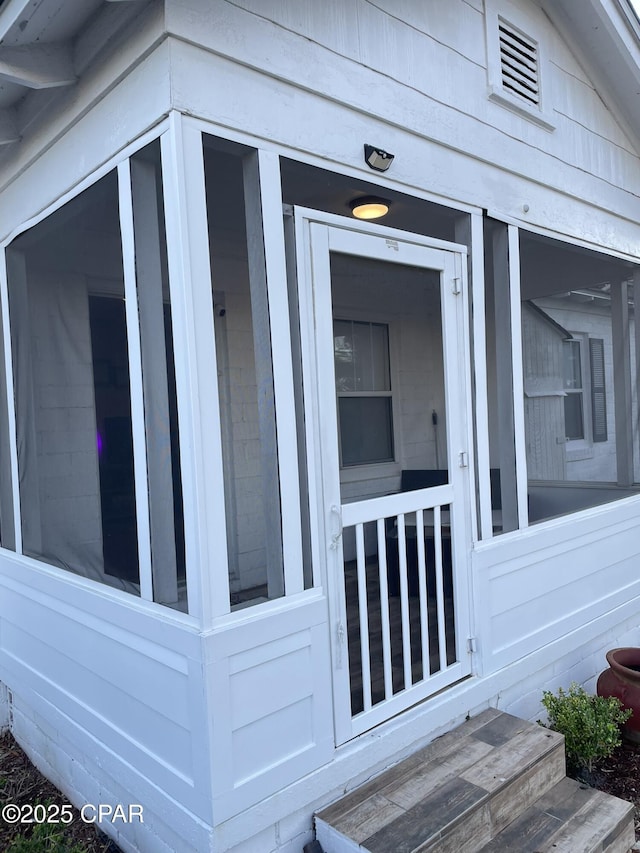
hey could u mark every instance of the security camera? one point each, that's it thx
(377, 159)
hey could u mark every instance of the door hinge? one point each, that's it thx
(472, 645)
(456, 287)
(463, 459)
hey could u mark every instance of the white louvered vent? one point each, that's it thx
(519, 66)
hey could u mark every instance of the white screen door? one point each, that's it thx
(386, 410)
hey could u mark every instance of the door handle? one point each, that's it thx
(336, 536)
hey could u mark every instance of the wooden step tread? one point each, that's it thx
(570, 818)
(455, 794)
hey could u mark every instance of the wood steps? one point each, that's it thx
(496, 783)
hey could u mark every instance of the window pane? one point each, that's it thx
(361, 352)
(380, 378)
(71, 378)
(365, 430)
(344, 355)
(573, 417)
(572, 365)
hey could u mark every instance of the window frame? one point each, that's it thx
(584, 441)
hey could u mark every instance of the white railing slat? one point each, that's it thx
(442, 639)
(404, 602)
(363, 609)
(384, 610)
(422, 593)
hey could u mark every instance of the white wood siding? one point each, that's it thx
(423, 85)
(113, 679)
(125, 684)
(539, 586)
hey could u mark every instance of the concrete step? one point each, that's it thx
(496, 783)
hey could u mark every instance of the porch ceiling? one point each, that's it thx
(45, 47)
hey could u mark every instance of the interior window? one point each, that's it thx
(573, 390)
(363, 387)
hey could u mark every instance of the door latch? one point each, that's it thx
(463, 459)
(336, 536)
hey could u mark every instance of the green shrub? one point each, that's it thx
(590, 724)
(45, 838)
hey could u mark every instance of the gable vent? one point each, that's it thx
(519, 64)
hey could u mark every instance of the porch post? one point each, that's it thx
(636, 378)
(264, 378)
(622, 382)
(504, 377)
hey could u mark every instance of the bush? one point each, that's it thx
(590, 724)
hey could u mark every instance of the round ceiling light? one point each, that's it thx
(369, 207)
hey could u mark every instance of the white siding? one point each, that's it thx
(121, 699)
(424, 85)
(104, 689)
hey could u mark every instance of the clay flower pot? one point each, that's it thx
(622, 679)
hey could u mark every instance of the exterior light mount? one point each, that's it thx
(377, 159)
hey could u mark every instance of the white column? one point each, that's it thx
(622, 382)
(154, 380)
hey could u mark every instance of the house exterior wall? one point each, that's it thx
(183, 715)
(431, 104)
(593, 461)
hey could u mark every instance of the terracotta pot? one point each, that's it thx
(622, 679)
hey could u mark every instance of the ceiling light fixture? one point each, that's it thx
(369, 207)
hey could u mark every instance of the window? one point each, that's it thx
(363, 386)
(573, 388)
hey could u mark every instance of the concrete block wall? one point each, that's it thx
(87, 774)
(582, 665)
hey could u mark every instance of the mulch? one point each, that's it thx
(22, 784)
(620, 775)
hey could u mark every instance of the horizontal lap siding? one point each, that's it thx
(539, 586)
(432, 80)
(121, 685)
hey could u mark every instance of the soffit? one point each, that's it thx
(46, 46)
